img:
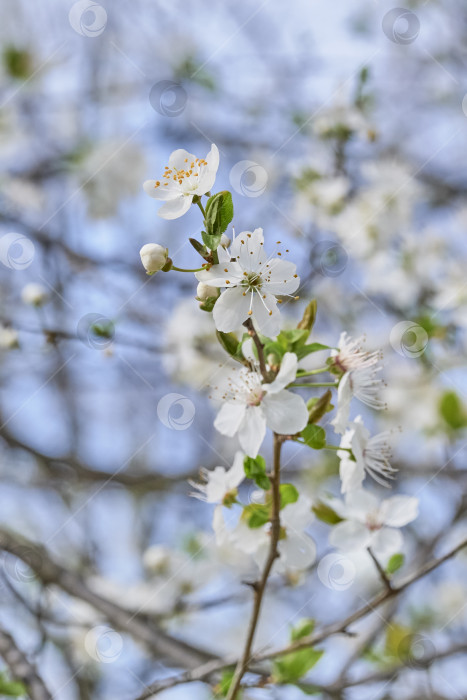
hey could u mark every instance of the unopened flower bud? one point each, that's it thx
(225, 241)
(34, 294)
(8, 338)
(205, 291)
(154, 257)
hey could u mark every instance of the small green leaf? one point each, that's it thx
(314, 436)
(11, 689)
(224, 684)
(305, 350)
(319, 407)
(309, 317)
(398, 641)
(452, 410)
(199, 247)
(208, 304)
(219, 214)
(326, 514)
(291, 667)
(256, 514)
(303, 629)
(395, 563)
(256, 469)
(289, 494)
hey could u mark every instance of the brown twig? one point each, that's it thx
(260, 586)
(267, 376)
(382, 574)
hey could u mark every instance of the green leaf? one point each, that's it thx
(231, 345)
(208, 304)
(256, 514)
(395, 563)
(309, 317)
(199, 247)
(314, 436)
(452, 410)
(256, 469)
(303, 629)
(291, 667)
(224, 684)
(11, 689)
(318, 407)
(326, 514)
(398, 641)
(219, 214)
(305, 350)
(289, 494)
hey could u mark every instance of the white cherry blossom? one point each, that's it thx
(220, 484)
(252, 405)
(369, 455)
(359, 379)
(369, 522)
(184, 177)
(251, 280)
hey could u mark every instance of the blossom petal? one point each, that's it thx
(252, 430)
(359, 502)
(174, 208)
(286, 413)
(229, 418)
(344, 397)
(397, 511)
(248, 248)
(236, 473)
(266, 314)
(162, 193)
(297, 551)
(280, 278)
(350, 535)
(231, 310)
(228, 274)
(180, 158)
(208, 172)
(351, 473)
(286, 375)
(386, 542)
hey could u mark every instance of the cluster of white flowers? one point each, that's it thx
(242, 286)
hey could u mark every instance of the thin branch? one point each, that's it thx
(260, 586)
(267, 376)
(21, 668)
(214, 666)
(382, 574)
(138, 625)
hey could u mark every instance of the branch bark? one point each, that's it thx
(21, 668)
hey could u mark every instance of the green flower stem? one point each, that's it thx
(313, 385)
(336, 447)
(184, 269)
(313, 371)
(202, 208)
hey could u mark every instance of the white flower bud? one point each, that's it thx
(34, 294)
(8, 338)
(156, 559)
(204, 291)
(225, 241)
(154, 257)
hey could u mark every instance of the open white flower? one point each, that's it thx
(359, 379)
(369, 455)
(252, 281)
(297, 551)
(369, 522)
(251, 405)
(221, 484)
(184, 177)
